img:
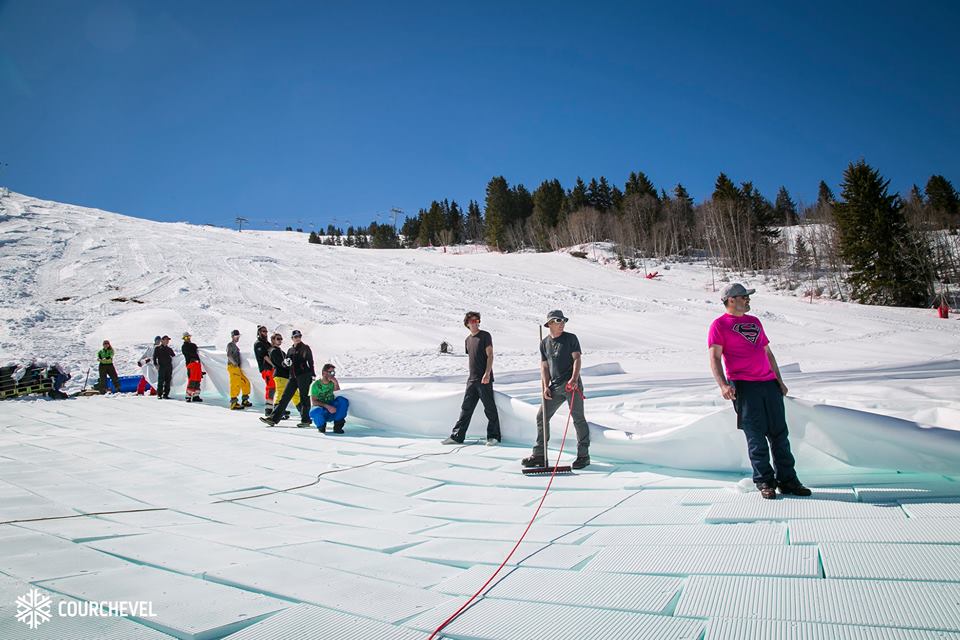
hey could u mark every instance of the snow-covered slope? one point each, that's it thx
(232, 529)
(385, 312)
(375, 313)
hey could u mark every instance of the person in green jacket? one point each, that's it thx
(105, 358)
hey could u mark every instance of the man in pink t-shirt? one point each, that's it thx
(754, 384)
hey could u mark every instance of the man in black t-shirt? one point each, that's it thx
(560, 381)
(479, 347)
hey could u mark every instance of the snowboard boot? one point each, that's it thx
(235, 406)
(245, 401)
(338, 426)
(268, 421)
(322, 428)
(268, 411)
(197, 399)
(189, 398)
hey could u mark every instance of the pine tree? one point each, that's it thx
(383, 236)
(577, 198)
(410, 230)
(639, 184)
(801, 254)
(598, 194)
(522, 204)
(786, 208)
(474, 225)
(824, 195)
(454, 223)
(314, 238)
(432, 224)
(942, 196)
(763, 223)
(616, 199)
(497, 210)
(547, 203)
(887, 262)
(724, 189)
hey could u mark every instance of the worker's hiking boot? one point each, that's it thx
(234, 405)
(533, 461)
(580, 462)
(268, 421)
(451, 440)
(245, 401)
(769, 492)
(338, 426)
(795, 489)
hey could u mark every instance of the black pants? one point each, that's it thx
(108, 371)
(300, 383)
(483, 393)
(164, 375)
(561, 397)
(760, 414)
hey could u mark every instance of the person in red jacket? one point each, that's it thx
(194, 371)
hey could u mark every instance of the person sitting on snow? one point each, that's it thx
(59, 375)
(326, 406)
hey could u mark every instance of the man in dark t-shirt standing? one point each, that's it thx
(479, 347)
(561, 384)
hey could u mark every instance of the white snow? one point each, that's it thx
(874, 414)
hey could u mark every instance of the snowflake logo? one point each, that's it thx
(33, 609)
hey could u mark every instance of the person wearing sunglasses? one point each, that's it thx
(280, 375)
(754, 384)
(326, 406)
(561, 386)
(300, 362)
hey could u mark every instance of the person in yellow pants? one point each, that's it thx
(281, 373)
(239, 383)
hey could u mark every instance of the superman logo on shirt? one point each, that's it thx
(749, 330)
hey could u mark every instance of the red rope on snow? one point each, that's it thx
(529, 524)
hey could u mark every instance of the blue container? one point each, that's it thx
(128, 384)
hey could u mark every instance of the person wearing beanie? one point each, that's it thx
(239, 383)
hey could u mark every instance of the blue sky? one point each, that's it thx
(306, 113)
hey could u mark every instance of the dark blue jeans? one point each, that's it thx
(760, 414)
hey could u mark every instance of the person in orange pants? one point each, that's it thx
(261, 351)
(194, 371)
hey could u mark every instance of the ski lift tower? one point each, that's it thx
(395, 211)
(240, 220)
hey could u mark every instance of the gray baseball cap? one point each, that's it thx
(735, 289)
(556, 314)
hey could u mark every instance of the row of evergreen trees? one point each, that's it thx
(885, 247)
